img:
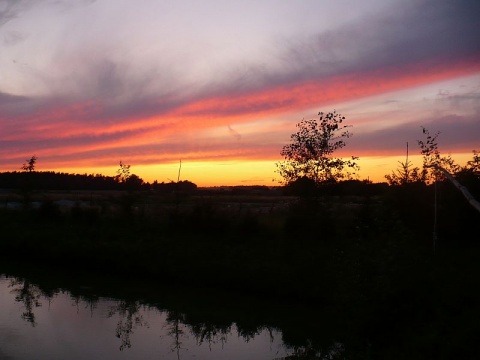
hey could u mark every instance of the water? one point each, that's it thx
(105, 319)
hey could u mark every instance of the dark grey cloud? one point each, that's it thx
(8, 12)
(116, 90)
(410, 32)
(455, 101)
(457, 133)
(413, 31)
(424, 30)
(11, 9)
(9, 99)
(60, 142)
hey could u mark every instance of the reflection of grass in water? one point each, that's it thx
(129, 319)
(29, 295)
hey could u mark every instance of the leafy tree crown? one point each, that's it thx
(310, 152)
(29, 165)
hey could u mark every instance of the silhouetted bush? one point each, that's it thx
(304, 187)
(182, 187)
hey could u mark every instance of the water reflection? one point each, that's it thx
(130, 318)
(128, 327)
(211, 334)
(175, 330)
(27, 294)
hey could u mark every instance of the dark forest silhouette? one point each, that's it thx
(50, 180)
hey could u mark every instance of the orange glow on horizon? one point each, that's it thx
(234, 173)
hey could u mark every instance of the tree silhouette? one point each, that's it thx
(310, 153)
(433, 160)
(175, 322)
(129, 319)
(123, 173)
(29, 166)
(29, 295)
(406, 173)
(128, 180)
(474, 165)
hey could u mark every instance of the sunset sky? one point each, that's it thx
(220, 85)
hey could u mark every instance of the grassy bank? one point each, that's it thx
(279, 245)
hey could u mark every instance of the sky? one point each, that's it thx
(220, 85)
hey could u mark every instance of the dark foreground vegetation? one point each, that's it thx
(400, 281)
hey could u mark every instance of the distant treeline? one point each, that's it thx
(50, 180)
(303, 187)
